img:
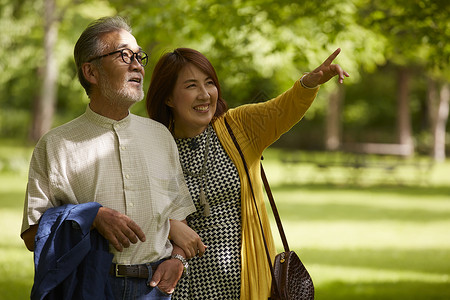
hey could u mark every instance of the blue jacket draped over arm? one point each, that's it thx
(71, 260)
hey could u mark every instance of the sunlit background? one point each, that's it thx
(362, 182)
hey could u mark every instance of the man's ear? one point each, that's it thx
(90, 72)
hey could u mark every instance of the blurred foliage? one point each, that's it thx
(258, 47)
(417, 31)
(22, 54)
(370, 111)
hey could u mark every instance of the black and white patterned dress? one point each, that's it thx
(215, 275)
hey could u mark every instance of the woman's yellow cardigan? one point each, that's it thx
(256, 126)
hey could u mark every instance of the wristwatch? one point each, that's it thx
(184, 262)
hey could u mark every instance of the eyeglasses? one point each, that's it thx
(128, 56)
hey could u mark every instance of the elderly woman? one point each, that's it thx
(185, 96)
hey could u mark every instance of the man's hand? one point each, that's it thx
(167, 275)
(325, 72)
(29, 235)
(186, 238)
(117, 228)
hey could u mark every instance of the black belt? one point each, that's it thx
(138, 271)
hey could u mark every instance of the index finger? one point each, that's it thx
(330, 58)
(137, 230)
(115, 243)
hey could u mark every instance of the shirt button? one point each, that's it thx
(123, 148)
(131, 204)
(127, 176)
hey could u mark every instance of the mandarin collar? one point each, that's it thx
(106, 122)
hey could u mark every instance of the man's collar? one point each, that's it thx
(105, 121)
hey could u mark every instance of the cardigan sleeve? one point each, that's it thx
(263, 123)
(255, 127)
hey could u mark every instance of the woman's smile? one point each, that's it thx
(193, 102)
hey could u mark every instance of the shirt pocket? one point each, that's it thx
(163, 197)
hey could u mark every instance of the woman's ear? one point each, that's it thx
(169, 102)
(90, 72)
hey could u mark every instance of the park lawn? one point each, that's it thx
(358, 242)
(16, 262)
(376, 240)
(370, 243)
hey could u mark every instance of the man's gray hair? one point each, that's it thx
(90, 45)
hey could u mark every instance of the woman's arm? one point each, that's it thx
(186, 238)
(325, 72)
(260, 124)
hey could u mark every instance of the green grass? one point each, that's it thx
(16, 262)
(367, 241)
(376, 240)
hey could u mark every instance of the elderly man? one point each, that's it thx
(126, 164)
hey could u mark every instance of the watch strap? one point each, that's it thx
(184, 262)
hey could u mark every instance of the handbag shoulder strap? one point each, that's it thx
(253, 194)
(269, 195)
(274, 210)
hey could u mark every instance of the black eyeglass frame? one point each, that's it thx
(144, 56)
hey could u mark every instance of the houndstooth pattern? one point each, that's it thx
(215, 275)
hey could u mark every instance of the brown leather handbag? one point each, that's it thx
(290, 279)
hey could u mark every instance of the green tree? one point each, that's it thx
(37, 60)
(19, 61)
(259, 48)
(417, 32)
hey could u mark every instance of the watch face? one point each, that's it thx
(186, 268)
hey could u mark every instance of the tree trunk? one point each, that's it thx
(403, 112)
(44, 105)
(333, 121)
(432, 103)
(438, 104)
(441, 122)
